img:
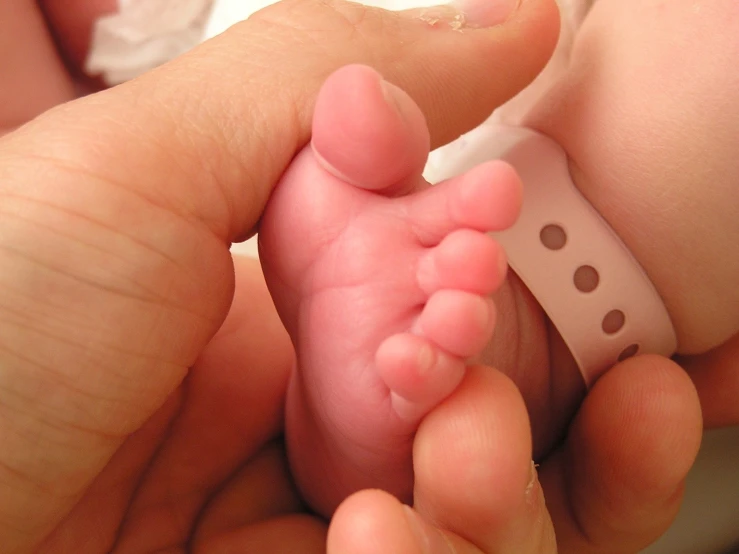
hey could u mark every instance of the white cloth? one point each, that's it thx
(144, 34)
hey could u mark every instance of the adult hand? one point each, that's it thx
(117, 214)
(121, 415)
(613, 486)
(716, 378)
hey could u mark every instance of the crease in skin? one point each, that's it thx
(146, 293)
(100, 286)
(102, 350)
(68, 156)
(60, 165)
(53, 426)
(19, 318)
(94, 353)
(129, 286)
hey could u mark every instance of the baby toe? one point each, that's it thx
(416, 369)
(486, 198)
(465, 260)
(368, 132)
(459, 322)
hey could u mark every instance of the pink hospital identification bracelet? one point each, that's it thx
(590, 285)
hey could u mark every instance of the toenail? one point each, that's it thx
(418, 529)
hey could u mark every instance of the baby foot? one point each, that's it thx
(381, 281)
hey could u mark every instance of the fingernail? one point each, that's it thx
(486, 13)
(417, 529)
(428, 539)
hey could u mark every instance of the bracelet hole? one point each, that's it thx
(613, 322)
(553, 237)
(586, 278)
(628, 352)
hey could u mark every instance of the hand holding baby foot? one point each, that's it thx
(382, 282)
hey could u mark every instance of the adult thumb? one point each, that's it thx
(118, 210)
(230, 115)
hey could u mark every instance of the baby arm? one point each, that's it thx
(648, 112)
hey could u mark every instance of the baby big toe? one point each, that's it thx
(465, 260)
(459, 322)
(368, 132)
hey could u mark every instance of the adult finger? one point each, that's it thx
(476, 490)
(231, 113)
(716, 378)
(617, 484)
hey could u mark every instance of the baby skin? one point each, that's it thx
(382, 281)
(385, 283)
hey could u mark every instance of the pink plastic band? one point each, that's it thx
(623, 314)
